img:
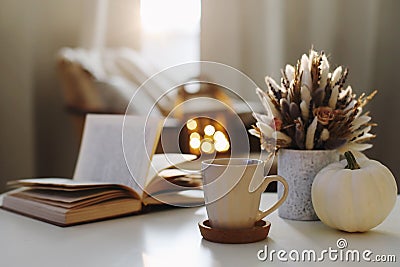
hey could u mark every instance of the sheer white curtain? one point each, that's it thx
(111, 23)
(260, 37)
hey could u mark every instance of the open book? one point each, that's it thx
(116, 174)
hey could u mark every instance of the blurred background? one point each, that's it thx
(37, 136)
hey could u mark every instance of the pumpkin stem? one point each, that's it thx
(351, 161)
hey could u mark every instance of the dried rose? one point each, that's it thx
(278, 124)
(324, 114)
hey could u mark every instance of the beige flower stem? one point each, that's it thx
(351, 161)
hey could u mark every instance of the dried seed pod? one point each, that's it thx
(324, 70)
(334, 97)
(294, 110)
(324, 134)
(299, 135)
(285, 108)
(336, 76)
(289, 71)
(305, 111)
(318, 96)
(305, 70)
(273, 87)
(268, 103)
(310, 134)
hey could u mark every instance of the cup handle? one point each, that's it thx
(267, 180)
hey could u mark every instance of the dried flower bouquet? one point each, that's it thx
(312, 109)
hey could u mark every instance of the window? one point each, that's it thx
(171, 32)
(172, 16)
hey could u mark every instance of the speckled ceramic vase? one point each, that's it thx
(299, 168)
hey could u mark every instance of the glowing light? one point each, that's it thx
(219, 136)
(194, 143)
(194, 135)
(191, 124)
(207, 146)
(221, 142)
(209, 130)
(192, 88)
(222, 145)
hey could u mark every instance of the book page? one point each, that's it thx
(163, 161)
(70, 200)
(57, 183)
(117, 150)
(69, 186)
(68, 197)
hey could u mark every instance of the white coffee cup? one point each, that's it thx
(232, 192)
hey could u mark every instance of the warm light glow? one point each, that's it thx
(195, 135)
(194, 143)
(192, 88)
(207, 140)
(221, 142)
(191, 124)
(219, 136)
(160, 16)
(209, 130)
(222, 145)
(207, 146)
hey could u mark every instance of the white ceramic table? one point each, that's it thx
(171, 238)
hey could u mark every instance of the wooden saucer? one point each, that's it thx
(235, 236)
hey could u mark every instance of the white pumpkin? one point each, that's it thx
(354, 196)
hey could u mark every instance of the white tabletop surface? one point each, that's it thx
(172, 238)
